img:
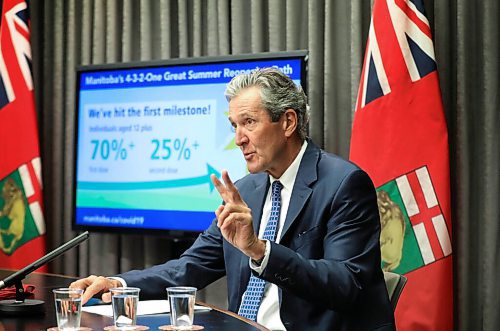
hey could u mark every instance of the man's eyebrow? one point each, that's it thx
(243, 114)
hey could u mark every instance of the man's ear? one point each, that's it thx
(290, 122)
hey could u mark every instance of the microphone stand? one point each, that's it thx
(21, 305)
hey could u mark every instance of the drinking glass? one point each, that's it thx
(68, 308)
(124, 301)
(181, 301)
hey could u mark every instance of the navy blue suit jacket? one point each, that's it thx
(327, 264)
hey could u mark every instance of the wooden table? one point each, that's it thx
(215, 319)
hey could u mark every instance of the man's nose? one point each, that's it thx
(240, 137)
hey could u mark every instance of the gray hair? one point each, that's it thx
(278, 93)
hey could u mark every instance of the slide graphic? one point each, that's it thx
(148, 141)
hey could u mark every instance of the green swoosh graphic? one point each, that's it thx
(205, 179)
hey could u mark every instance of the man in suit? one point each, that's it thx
(303, 227)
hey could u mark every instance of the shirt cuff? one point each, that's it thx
(121, 280)
(260, 268)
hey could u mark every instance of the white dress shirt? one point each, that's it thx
(269, 310)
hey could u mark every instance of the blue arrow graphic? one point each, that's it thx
(205, 179)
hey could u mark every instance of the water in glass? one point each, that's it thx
(182, 310)
(125, 310)
(68, 313)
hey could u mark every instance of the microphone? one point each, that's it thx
(20, 305)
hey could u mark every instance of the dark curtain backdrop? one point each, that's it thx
(69, 33)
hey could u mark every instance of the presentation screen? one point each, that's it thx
(150, 134)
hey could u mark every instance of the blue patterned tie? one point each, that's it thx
(255, 289)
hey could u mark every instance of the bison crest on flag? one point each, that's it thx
(413, 229)
(21, 217)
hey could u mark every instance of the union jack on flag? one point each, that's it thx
(15, 51)
(22, 223)
(412, 30)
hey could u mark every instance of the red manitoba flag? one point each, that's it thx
(400, 138)
(22, 223)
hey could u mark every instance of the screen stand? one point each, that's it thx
(21, 305)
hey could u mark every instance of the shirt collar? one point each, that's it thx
(288, 177)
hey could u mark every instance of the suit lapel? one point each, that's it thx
(306, 175)
(255, 201)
